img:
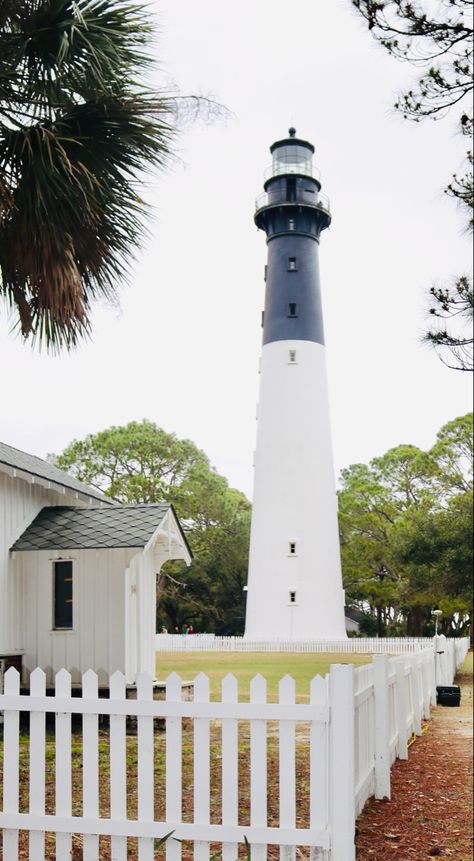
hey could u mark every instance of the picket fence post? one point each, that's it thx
(402, 709)
(425, 679)
(432, 666)
(341, 763)
(145, 766)
(90, 765)
(37, 762)
(118, 766)
(11, 765)
(174, 768)
(202, 777)
(230, 766)
(382, 727)
(318, 768)
(287, 766)
(63, 764)
(258, 766)
(416, 688)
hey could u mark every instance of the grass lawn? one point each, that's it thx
(246, 665)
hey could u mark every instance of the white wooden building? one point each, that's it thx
(78, 573)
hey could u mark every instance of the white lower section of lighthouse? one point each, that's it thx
(295, 582)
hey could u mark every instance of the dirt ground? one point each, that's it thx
(430, 814)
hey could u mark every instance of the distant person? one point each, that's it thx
(190, 630)
(164, 630)
(176, 629)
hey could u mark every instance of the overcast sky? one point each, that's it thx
(182, 350)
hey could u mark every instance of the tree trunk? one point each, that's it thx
(380, 625)
(417, 621)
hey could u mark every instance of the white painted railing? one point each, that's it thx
(357, 721)
(351, 645)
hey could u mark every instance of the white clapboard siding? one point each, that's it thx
(20, 502)
(98, 638)
(359, 720)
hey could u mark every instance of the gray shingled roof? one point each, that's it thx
(64, 528)
(35, 466)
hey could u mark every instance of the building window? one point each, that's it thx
(292, 597)
(63, 595)
(292, 548)
(292, 267)
(291, 224)
(292, 357)
(292, 309)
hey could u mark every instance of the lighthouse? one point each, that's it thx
(294, 588)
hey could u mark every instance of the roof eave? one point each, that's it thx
(50, 484)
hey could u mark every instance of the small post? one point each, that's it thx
(441, 663)
(341, 762)
(382, 727)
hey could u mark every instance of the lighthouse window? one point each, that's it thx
(292, 548)
(263, 318)
(292, 309)
(292, 267)
(292, 597)
(291, 224)
(292, 356)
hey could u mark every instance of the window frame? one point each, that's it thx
(292, 313)
(65, 617)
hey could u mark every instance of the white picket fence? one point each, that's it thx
(351, 645)
(356, 722)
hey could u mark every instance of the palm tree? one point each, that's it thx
(77, 127)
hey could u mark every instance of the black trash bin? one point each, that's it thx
(448, 695)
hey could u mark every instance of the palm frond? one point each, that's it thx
(77, 129)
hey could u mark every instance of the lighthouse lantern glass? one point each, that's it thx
(292, 159)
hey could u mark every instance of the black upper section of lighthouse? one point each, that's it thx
(293, 212)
